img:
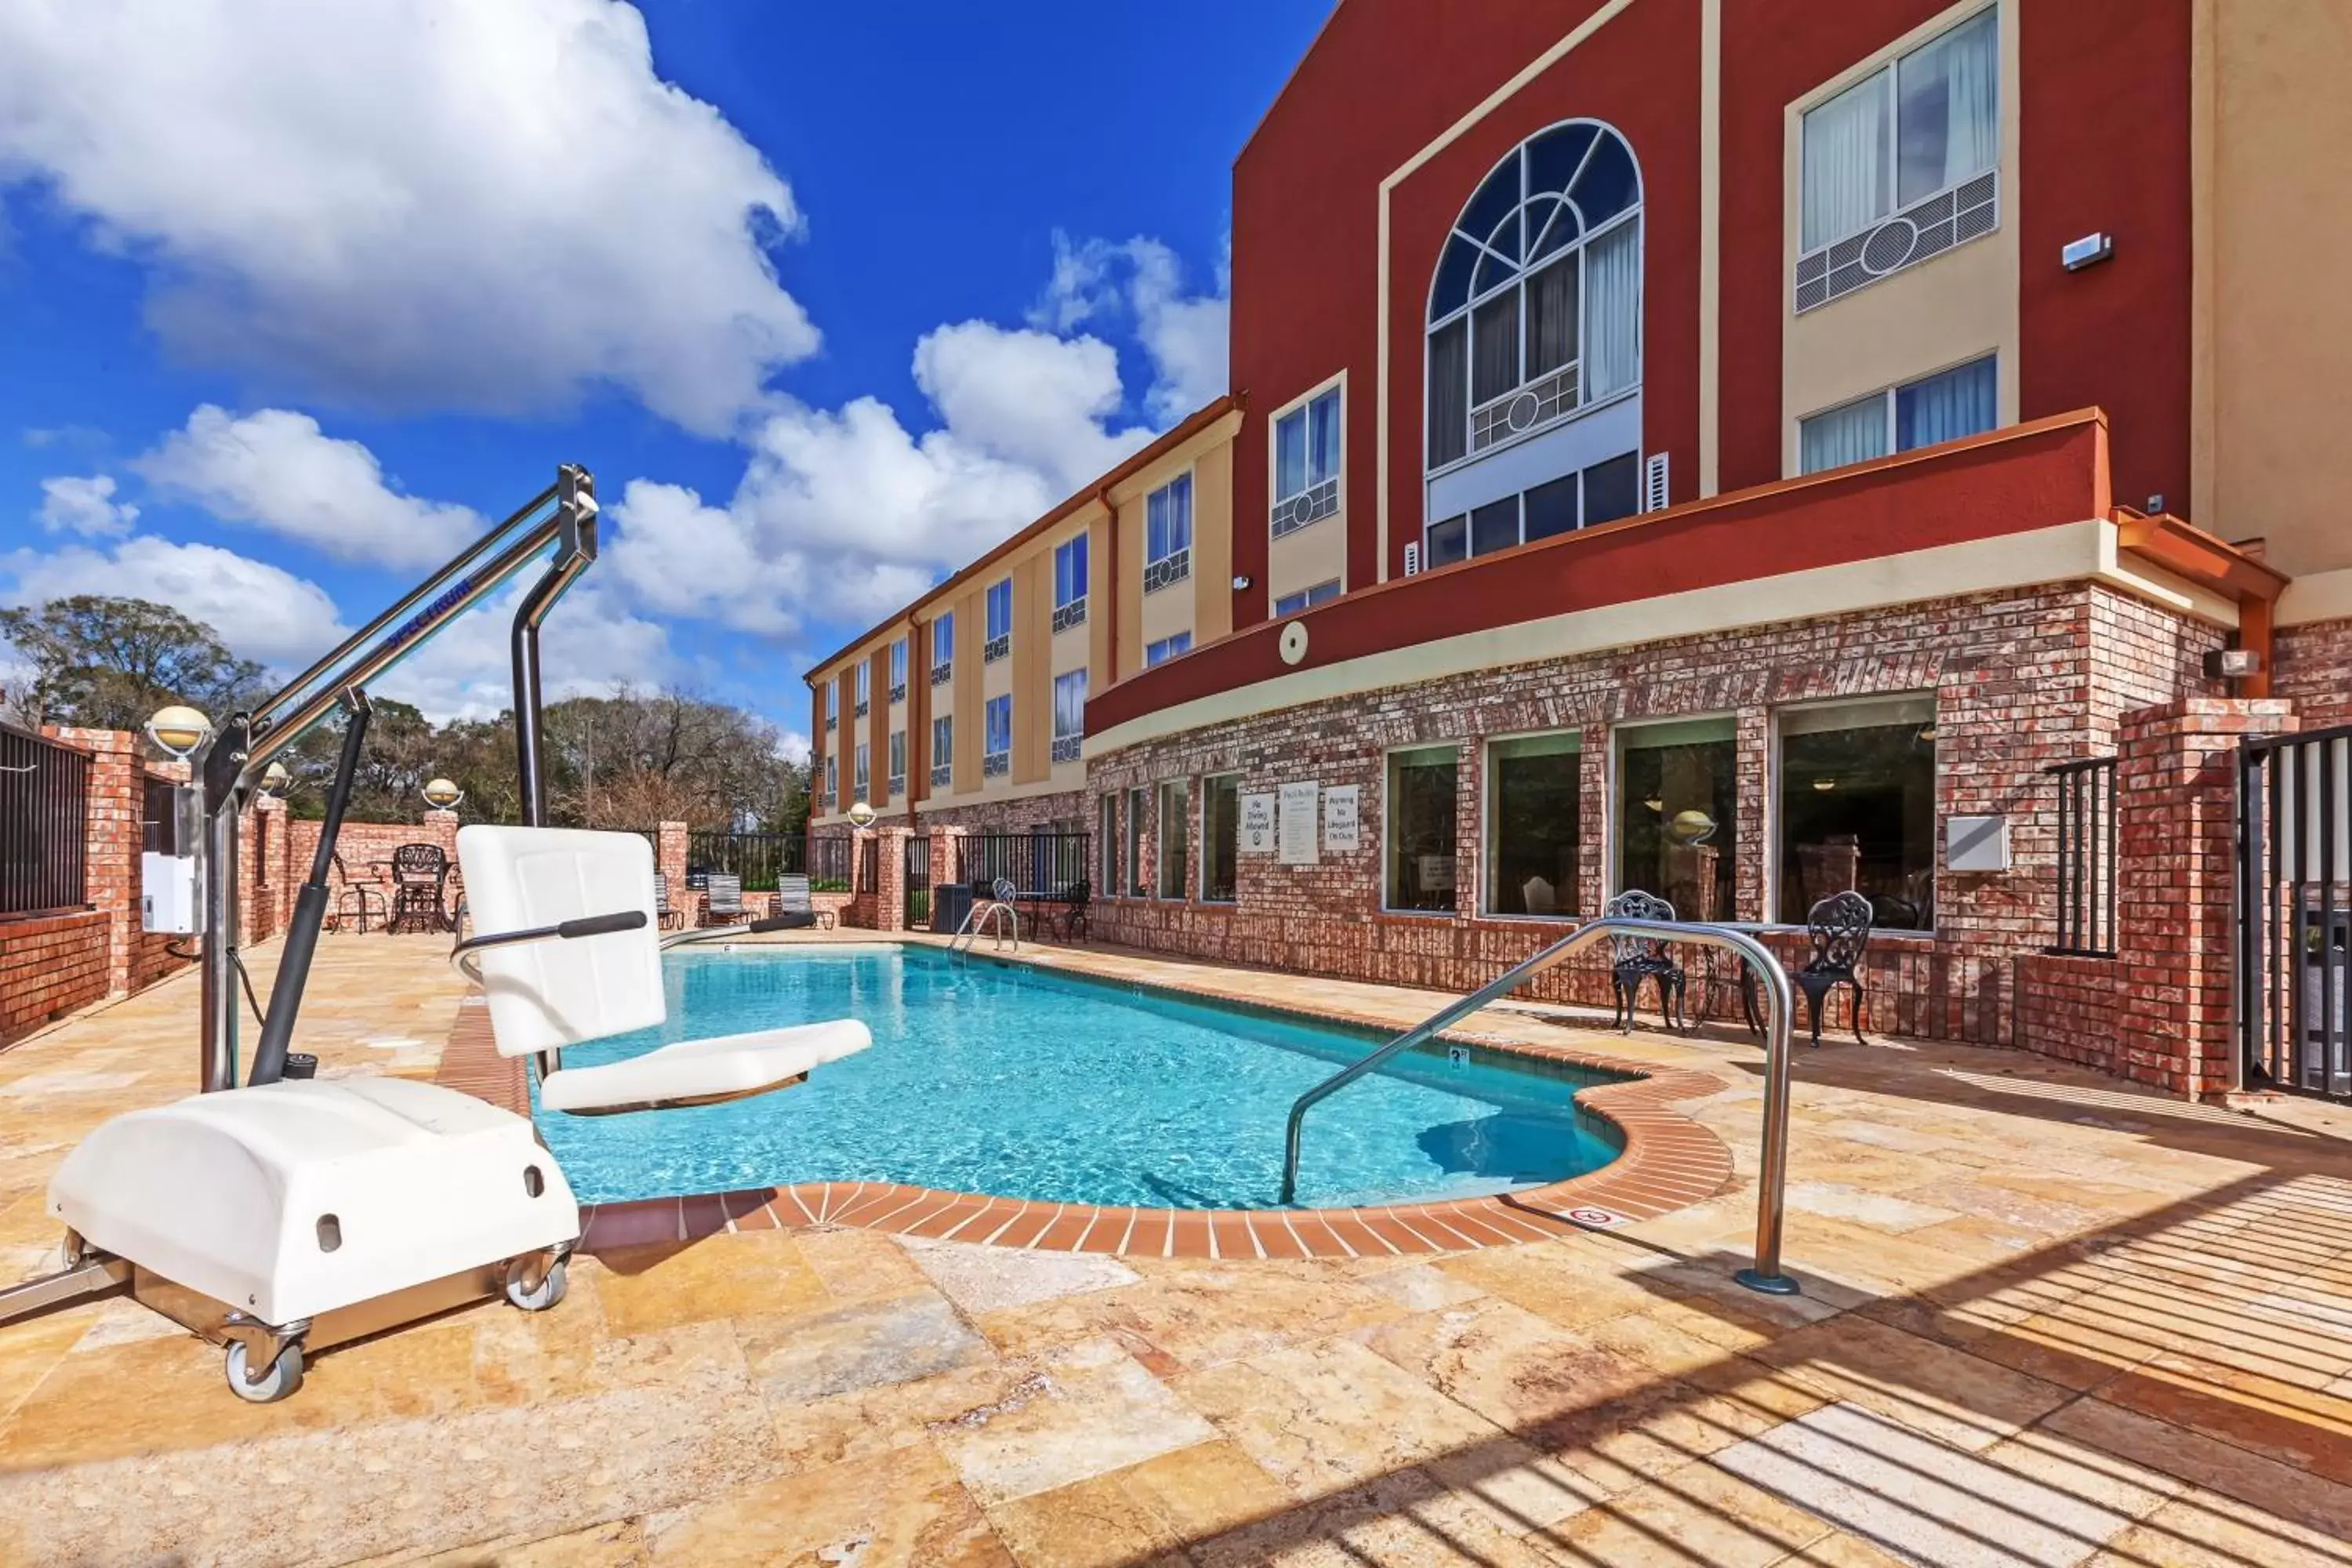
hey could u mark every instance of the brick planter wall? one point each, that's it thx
(48, 967)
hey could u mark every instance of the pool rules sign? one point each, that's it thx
(1294, 834)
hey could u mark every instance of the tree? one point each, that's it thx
(108, 664)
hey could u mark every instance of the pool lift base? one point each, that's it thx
(291, 1215)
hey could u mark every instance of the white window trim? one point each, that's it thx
(1612, 769)
(1886, 59)
(1387, 826)
(1487, 744)
(1772, 798)
(1887, 395)
(1274, 499)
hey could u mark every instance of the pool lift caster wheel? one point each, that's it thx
(537, 1295)
(281, 1373)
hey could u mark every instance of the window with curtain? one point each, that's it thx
(996, 736)
(1307, 598)
(999, 622)
(944, 641)
(1962, 401)
(894, 781)
(899, 670)
(1069, 573)
(1106, 843)
(1165, 648)
(1924, 123)
(858, 776)
(1069, 705)
(943, 749)
(1537, 290)
(1139, 802)
(1307, 447)
(1168, 520)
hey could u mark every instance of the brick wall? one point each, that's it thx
(48, 967)
(2067, 1006)
(2313, 667)
(364, 850)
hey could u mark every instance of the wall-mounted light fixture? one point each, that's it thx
(2087, 251)
(1241, 583)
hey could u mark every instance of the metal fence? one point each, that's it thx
(917, 865)
(2294, 911)
(760, 858)
(2086, 857)
(1039, 864)
(828, 862)
(43, 806)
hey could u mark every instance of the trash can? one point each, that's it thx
(951, 903)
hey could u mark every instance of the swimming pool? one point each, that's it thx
(1019, 1082)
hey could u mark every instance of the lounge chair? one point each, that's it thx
(795, 910)
(564, 949)
(664, 915)
(722, 901)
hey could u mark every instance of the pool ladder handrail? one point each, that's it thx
(1778, 1009)
(989, 915)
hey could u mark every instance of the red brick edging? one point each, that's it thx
(1669, 1163)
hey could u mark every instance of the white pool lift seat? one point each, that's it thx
(527, 886)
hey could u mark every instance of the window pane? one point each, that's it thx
(1180, 514)
(1551, 508)
(1554, 157)
(1534, 826)
(1494, 329)
(1447, 543)
(1323, 437)
(1846, 182)
(1551, 225)
(1613, 489)
(1961, 402)
(1551, 317)
(1853, 434)
(1494, 526)
(1139, 802)
(1421, 829)
(1290, 455)
(1069, 704)
(1221, 837)
(1106, 839)
(1858, 810)
(1449, 406)
(1174, 808)
(1323, 590)
(1613, 289)
(1948, 110)
(1452, 287)
(1605, 188)
(1494, 201)
(1676, 829)
(943, 639)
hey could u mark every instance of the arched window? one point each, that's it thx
(1535, 310)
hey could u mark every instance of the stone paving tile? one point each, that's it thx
(2028, 1292)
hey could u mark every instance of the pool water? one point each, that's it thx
(999, 1079)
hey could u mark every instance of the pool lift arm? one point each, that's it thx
(332, 1209)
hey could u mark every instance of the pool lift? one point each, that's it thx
(295, 1213)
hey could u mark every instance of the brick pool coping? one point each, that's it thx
(1669, 1162)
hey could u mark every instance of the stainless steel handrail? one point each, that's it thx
(1779, 1007)
(984, 916)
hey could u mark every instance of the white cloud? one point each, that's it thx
(1028, 398)
(85, 506)
(1185, 335)
(260, 611)
(590, 644)
(413, 203)
(275, 470)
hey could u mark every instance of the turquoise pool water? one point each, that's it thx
(987, 1077)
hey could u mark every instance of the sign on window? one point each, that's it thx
(1257, 825)
(1295, 832)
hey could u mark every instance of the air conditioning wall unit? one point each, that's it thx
(1413, 559)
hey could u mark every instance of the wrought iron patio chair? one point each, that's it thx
(358, 899)
(420, 877)
(1634, 959)
(1839, 928)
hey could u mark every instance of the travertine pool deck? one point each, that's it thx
(2047, 1320)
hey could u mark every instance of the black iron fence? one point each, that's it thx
(917, 869)
(2086, 857)
(760, 858)
(2294, 911)
(1038, 865)
(828, 862)
(44, 806)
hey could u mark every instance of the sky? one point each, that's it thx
(295, 298)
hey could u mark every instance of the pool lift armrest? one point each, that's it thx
(461, 957)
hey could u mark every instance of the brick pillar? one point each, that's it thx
(266, 898)
(2176, 797)
(669, 857)
(890, 878)
(112, 838)
(1752, 745)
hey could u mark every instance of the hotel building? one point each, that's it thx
(1719, 448)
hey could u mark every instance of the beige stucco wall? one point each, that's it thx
(2274, 332)
(1213, 539)
(1944, 311)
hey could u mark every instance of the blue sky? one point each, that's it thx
(293, 298)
